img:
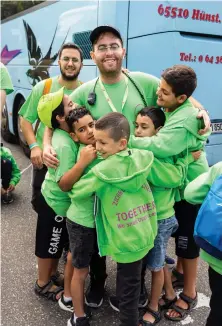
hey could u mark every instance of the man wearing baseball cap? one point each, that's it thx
(116, 91)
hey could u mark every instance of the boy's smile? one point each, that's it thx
(166, 97)
(105, 145)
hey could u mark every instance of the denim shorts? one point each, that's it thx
(156, 256)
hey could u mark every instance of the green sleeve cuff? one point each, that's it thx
(190, 158)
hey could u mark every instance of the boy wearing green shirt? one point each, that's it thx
(51, 233)
(195, 193)
(10, 175)
(126, 225)
(179, 136)
(148, 122)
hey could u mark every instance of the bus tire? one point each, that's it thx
(5, 132)
(18, 129)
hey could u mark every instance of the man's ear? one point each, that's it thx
(92, 54)
(74, 137)
(182, 98)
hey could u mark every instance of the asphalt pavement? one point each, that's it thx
(19, 304)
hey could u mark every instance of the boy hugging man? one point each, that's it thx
(179, 136)
(126, 221)
(53, 109)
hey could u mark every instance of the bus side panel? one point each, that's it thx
(148, 17)
(154, 53)
(63, 18)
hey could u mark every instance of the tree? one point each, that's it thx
(10, 8)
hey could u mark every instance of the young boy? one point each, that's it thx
(51, 235)
(195, 193)
(148, 122)
(10, 175)
(127, 226)
(126, 223)
(179, 136)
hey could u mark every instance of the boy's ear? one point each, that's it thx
(60, 118)
(181, 98)
(158, 129)
(123, 143)
(74, 137)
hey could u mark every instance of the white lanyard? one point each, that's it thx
(109, 99)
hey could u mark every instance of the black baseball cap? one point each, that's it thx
(104, 29)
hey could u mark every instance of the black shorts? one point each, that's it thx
(82, 243)
(38, 176)
(51, 232)
(186, 214)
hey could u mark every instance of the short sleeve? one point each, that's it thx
(6, 82)
(67, 156)
(29, 109)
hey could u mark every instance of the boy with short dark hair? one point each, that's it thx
(126, 223)
(148, 123)
(180, 135)
(127, 226)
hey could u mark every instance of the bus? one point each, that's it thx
(157, 35)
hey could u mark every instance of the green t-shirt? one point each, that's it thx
(29, 109)
(82, 212)
(6, 82)
(146, 83)
(66, 150)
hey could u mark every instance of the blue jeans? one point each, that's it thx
(156, 256)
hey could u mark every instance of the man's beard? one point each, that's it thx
(69, 78)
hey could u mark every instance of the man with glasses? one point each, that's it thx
(114, 91)
(70, 63)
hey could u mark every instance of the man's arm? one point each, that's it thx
(49, 154)
(36, 152)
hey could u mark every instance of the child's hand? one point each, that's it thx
(11, 188)
(87, 154)
(196, 155)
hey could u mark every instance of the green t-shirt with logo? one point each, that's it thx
(29, 109)
(5, 79)
(146, 83)
(66, 150)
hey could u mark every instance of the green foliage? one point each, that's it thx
(10, 8)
